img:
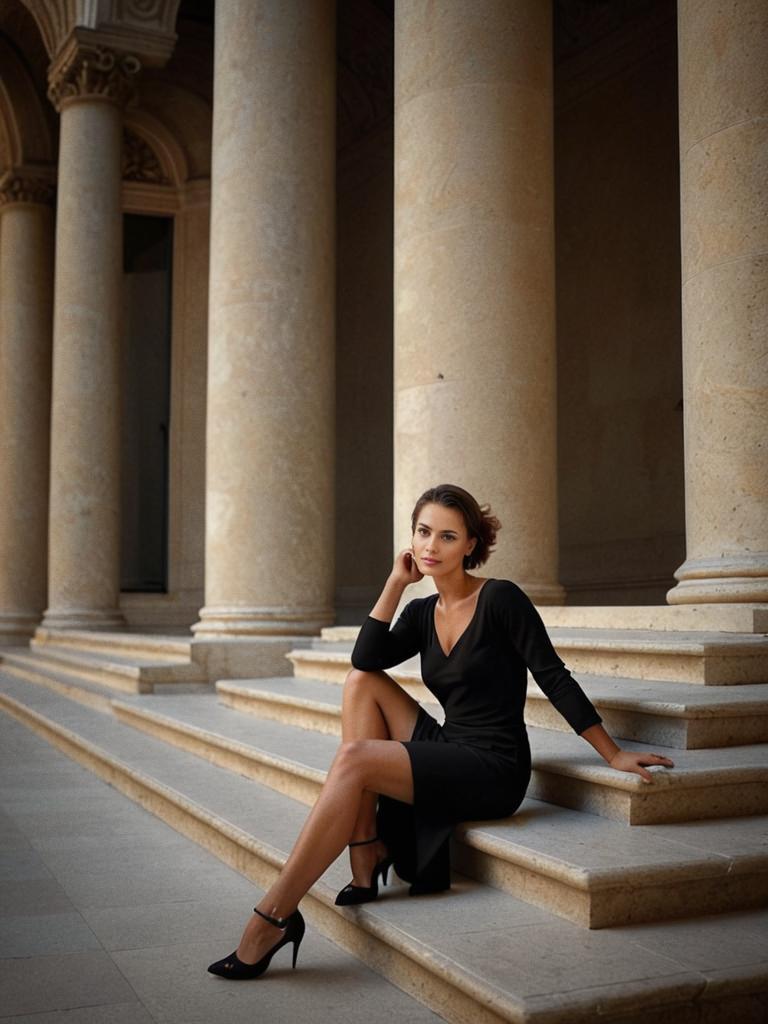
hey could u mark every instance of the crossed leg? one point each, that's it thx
(376, 715)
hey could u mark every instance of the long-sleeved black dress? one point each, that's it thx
(477, 765)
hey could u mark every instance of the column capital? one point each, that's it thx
(86, 70)
(26, 185)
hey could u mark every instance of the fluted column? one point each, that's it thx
(89, 88)
(26, 297)
(723, 75)
(475, 381)
(270, 423)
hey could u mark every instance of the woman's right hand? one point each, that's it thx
(405, 570)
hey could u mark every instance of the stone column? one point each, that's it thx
(475, 380)
(723, 77)
(270, 423)
(26, 298)
(89, 89)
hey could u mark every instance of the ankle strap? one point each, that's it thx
(279, 922)
(364, 842)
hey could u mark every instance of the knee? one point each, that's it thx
(355, 677)
(356, 681)
(351, 756)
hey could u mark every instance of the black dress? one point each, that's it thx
(477, 765)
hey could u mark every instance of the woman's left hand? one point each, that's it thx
(632, 761)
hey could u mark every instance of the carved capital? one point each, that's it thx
(93, 73)
(25, 188)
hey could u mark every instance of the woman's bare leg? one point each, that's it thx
(357, 767)
(375, 711)
(374, 707)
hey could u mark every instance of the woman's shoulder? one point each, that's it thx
(506, 589)
(417, 606)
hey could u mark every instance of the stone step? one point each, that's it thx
(144, 646)
(566, 770)
(680, 715)
(70, 683)
(717, 618)
(118, 672)
(591, 871)
(542, 969)
(672, 714)
(709, 659)
(23, 665)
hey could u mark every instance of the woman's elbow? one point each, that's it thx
(362, 663)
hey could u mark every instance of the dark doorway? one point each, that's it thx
(147, 265)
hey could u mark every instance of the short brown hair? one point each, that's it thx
(478, 519)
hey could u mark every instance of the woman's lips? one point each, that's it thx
(430, 561)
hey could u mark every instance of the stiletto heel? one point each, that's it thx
(353, 894)
(233, 967)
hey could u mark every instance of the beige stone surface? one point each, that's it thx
(724, 213)
(26, 304)
(474, 272)
(270, 424)
(83, 587)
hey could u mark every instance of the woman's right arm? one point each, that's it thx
(377, 645)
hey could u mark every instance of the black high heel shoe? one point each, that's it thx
(236, 969)
(352, 894)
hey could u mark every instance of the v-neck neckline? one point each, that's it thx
(466, 629)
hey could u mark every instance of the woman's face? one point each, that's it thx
(440, 540)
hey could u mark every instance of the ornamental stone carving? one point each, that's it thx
(140, 162)
(19, 188)
(141, 10)
(94, 73)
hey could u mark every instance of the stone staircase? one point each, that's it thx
(602, 897)
(127, 662)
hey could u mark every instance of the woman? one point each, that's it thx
(476, 636)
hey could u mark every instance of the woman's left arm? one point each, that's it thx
(623, 760)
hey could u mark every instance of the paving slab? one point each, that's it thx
(124, 1013)
(31, 984)
(28, 934)
(39, 896)
(324, 987)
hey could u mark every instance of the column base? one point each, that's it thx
(17, 628)
(84, 618)
(742, 579)
(544, 593)
(229, 621)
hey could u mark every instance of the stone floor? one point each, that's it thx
(108, 916)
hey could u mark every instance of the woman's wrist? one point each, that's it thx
(384, 609)
(602, 742)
